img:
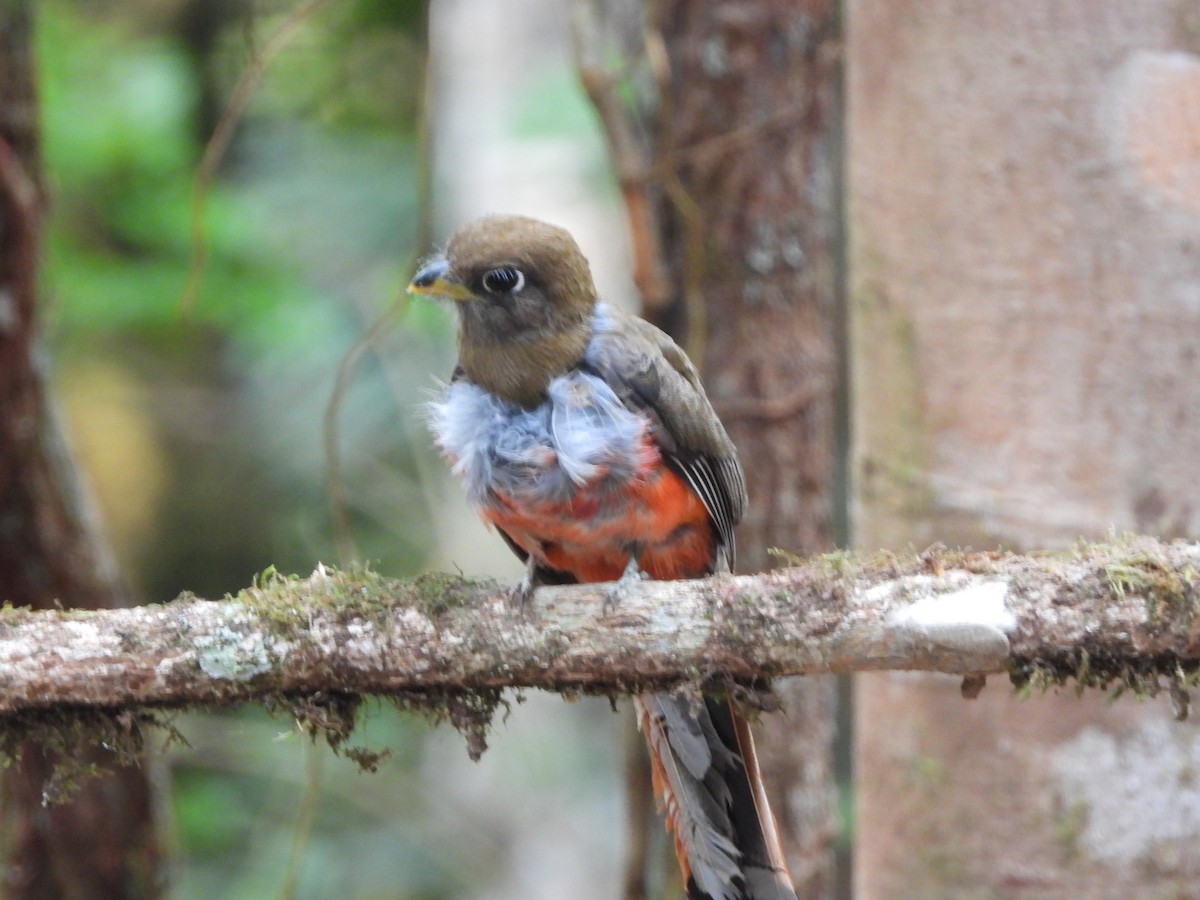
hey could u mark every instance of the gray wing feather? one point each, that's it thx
(649, 372)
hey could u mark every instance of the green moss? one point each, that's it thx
(284, 606)
(81, 742)
(1132, 569)
(1169, 592)
(1144, 677)
(437, 592)
(328, 715)
(470, 712)
(285, 603)
(271, 601)
(12, 615)
(787, 556)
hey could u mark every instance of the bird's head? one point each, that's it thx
(524, 296)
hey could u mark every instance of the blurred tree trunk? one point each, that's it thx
(199, 25)
(101, 844)
(1024, 212)
(748, 149)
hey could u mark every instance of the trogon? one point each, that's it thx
(583, 435)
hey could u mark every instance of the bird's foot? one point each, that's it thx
(631, 576)
(520, 593)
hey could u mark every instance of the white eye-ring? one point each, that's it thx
(504, 280)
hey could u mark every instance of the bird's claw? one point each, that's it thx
(520, 594)
(631, 576)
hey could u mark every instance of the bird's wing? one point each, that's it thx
(649, 372)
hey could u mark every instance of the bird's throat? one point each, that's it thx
(521, 370)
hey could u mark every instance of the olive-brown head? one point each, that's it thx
(524, 296)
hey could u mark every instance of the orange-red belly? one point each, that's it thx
(592, 535)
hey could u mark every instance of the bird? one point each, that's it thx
(583, 435)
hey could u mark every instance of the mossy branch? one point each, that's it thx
(1121, 614)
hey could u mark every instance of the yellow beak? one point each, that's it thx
(436, 280)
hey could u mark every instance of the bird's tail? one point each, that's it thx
(708, 786)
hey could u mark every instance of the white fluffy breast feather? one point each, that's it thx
(581, 434)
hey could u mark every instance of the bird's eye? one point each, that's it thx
(504, 280)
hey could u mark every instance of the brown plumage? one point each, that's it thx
(513, 344)
(584, 435)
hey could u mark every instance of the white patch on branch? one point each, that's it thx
(973, 619)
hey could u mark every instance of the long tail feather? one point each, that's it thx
(707, 783)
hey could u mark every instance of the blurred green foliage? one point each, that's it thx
(119, 150)
(308, 229)
(202, 432)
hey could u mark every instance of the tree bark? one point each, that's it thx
(1112, 616)
(748, 157)
(102, 844)
(1023, 213)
